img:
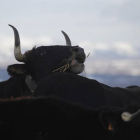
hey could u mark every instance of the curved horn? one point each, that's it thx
(127, 117)
(68, 42)
(17, 50)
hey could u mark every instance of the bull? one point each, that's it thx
(51, 117)
(38, 63)
(123, 123)
(86, 92)
(26, 118)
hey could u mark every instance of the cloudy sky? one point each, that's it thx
(107, 29)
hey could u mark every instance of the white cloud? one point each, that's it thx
(90, 47)
(124, 48)
(119, 48)
(113, 67)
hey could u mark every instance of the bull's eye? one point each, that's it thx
(42, 54)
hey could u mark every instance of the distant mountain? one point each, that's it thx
(111, 80)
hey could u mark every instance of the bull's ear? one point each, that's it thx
(17, 69)
(110, 120)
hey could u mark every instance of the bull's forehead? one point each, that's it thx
(54, 48)
(55, 52)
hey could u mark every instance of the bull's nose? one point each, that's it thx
(80, 54)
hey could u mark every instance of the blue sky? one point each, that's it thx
(107, 29)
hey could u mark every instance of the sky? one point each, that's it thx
(107, 29)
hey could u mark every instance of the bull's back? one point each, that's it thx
(73, 88)
(121, 96)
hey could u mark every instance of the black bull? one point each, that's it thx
(86, 92)
(53, 118)
(38, 63)
(107, 103)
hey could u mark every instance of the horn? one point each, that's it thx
(68, 42)
(17, 50)
(127, 117)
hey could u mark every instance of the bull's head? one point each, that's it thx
(44, 60)
(121, 122)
